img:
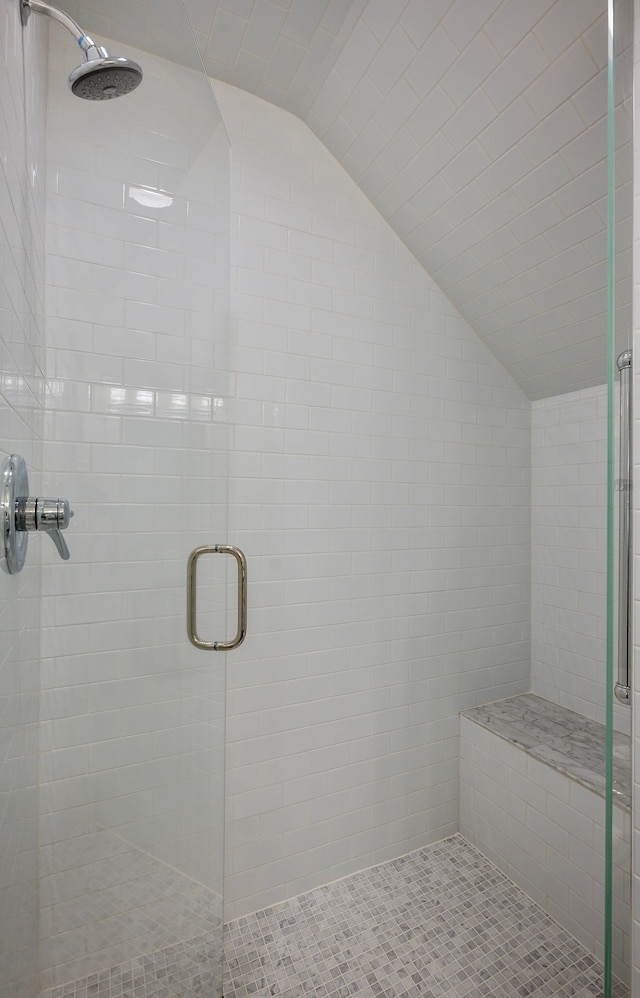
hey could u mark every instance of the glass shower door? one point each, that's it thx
(619, 686)
(132, 801)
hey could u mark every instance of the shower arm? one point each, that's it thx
(88, 46)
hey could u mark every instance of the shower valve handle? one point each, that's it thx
(50, 516)
(21, 513)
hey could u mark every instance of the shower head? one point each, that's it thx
(101, 76)
(104, 78)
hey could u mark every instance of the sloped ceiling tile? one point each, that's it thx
(476, 127)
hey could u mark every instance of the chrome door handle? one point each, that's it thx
(192, 562)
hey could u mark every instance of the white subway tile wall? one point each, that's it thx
(132, 795)
(569, 551)
(477, 129)
(22, 160)
(546, 832)
(380, 488)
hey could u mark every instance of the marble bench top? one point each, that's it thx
(564, 740)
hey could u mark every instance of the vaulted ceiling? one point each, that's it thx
(476, 127)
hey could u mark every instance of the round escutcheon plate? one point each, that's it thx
(14, 483)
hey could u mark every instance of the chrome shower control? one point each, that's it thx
(22, 514)
(49, 515)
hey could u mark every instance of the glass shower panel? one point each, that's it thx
(132, 798)
(22, 84)
(619, 651)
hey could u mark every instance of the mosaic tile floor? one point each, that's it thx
(133, 905)
(185, 970)
(441, 922)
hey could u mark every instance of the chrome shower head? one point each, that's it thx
(104, 78)
(101, 77)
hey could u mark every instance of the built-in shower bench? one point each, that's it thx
(532, 784)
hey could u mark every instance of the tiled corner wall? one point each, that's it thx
(568, 552)
(380, 488)
(132, 798)
(546, 832)
(22, 134)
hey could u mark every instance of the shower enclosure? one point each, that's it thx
(396, 528)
